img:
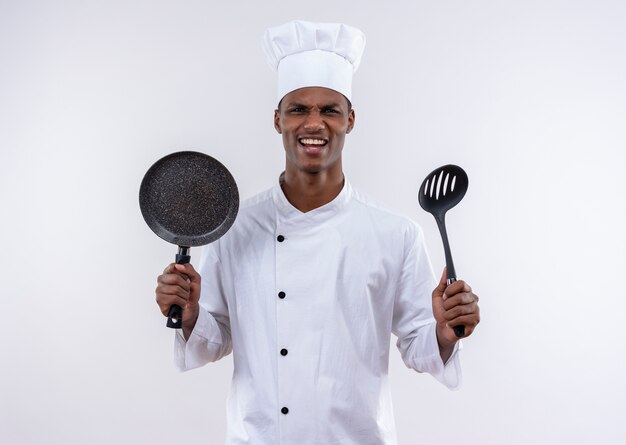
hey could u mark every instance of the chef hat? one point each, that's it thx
(308, 54)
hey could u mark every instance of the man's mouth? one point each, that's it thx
(312, 142)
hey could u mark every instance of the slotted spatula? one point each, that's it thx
(442, 189)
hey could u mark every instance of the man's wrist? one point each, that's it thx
(190, 322)
(446, 347)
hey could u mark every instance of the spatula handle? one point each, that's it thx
(175, 314)
(459, 331)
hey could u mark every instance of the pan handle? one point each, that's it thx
(175, 315)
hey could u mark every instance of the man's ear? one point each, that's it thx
(351, 118)
(277, 122)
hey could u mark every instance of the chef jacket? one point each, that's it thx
(307, 303)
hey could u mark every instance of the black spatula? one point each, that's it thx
(442, 189)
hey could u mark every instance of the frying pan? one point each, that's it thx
(189, 199)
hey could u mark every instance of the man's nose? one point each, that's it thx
(314, 122)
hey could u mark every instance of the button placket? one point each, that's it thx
(283, 260)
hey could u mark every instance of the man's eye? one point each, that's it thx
(330, 111)
(296, 110)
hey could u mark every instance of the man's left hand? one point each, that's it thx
(454, 305)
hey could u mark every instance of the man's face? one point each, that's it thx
(314, 122)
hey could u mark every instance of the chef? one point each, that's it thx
(313, 277)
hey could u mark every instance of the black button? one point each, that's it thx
(284, 410)
(281, 294)
(280, 238)
(283, 351)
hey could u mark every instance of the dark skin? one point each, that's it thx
(313, 171)
(453, 305)
(313, 122)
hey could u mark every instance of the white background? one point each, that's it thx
(528, 96)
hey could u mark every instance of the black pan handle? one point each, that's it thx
(175, 315)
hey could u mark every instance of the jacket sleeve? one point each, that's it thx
(413, 321)
(210, 339)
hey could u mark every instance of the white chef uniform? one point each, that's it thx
(307, 303)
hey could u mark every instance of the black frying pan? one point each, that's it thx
(188, 199)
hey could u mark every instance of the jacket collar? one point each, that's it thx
(288, 213)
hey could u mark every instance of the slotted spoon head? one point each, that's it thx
(442, 189)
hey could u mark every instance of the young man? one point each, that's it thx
(312, 279)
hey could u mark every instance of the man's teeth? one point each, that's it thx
(312, 141)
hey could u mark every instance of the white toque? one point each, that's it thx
(308, 54)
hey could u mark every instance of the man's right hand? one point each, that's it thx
(180, 284)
